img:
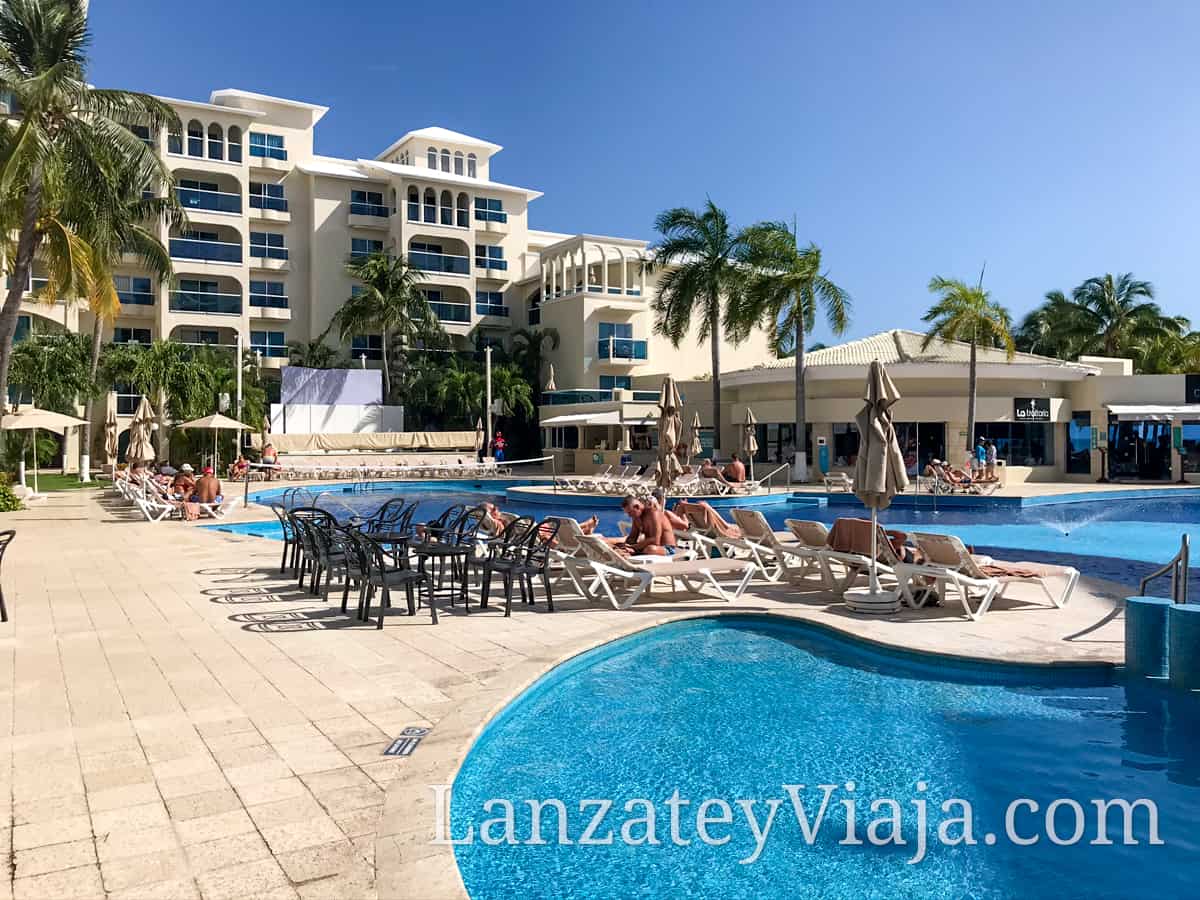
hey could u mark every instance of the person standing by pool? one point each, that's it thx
(990, 472)
(979, 463)
(498, 445)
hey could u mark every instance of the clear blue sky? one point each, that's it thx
(1052, 140)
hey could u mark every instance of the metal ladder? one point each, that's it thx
(1178, 569)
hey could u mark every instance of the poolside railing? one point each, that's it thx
(1178, 569)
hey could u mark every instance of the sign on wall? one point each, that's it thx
(1192, 382)
(1031, 409)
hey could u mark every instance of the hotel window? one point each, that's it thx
(431, 157)
(370, 345)
(414, 204)
(445, 160)
(267, 245)
(490, 256)
(430, 206)
(195, 142)
(360, 247)
(193, 234)
(131, 335)
(269, 294)
(133, 290)
(458, 163)
(235, 144)
(1189, 450)
(174, 142)
(24, 326)
(489, 209)
(616, 330)
(267, 196)
(616, 382)
(269, 343)
(490, 303)
(1021, 443)
(268, 146)
(367, 203)
(142, 133)
(198, 336)
(1079, 444)
(216, 142)
(470, 165)
(845, 444)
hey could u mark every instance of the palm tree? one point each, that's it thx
(389, 303)
(786, 289)
(167, 371)
(529, 347)
(314, 354)
(53, 369)
(1053, 329)
(965, 313)
(513, 390)
(65, 131)
(1120, 312)
(459, 389)
(704, 278)
(115, 222)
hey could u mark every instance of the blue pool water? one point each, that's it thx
(735, 708)
(1117, 539)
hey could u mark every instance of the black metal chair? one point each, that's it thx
(305, 519)
(397, 531)
(329, 540)
(382, 520)
(454, 550)
(6, 538)
(536, 564)
(291, 541)
(385, 570)
(504, 555)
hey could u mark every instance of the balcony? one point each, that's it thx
(208, 251)
(440, 262)
(491, 309)
(263, 251)
(135, 298)
(562, 398)
(490, 215)
(621, 349)
(199, 200)
(450, 312)
(262, 152)
(487, 262)
(270, 306)
(206, 302)
(262, 201)
(368, 215)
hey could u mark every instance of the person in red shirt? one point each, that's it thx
(498, 445)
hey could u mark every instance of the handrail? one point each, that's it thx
(771, 475)
(1178, 567)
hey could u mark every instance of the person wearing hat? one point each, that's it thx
(208, 488)
(184, 482)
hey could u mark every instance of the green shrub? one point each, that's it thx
(8, 500)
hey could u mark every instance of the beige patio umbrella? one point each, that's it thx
(215, 423)
(110, 429)
(30, 418)
(140, 449)
(550, 385)
(750, 439)
(478, 435)
(670, 430)
(695, 447)
(879, 473)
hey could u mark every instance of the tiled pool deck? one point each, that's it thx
(180, 721)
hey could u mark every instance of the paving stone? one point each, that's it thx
(41, 860)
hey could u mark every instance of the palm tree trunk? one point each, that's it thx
(714, 341)
(387, 375)
(971, 403)
(800, 467)
(22, 265)
(85, 447)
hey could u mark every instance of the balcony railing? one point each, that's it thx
(621, 348)
(270, 350)
(262, 201)
(369, 209)
(268, 152)
(135, 298)
(645, 396)
(599, 289)
(270, 301)
(490, 215)
(213, 251)
(262, 251)
(205, 302)
(491, 309)
(450, 312)
(440, 262)
(560, 398)
(210, 201)
(487, 262)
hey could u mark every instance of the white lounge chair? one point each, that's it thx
(777, 547)
(858, 562)
(947, 561)
(156, 509)
(614, 569)
(568, 554)
(812, 540)
(838, 482)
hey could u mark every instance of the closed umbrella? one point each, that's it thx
(670, 430)
(110, 429)
(695, 448)
(750, 439)
(215, 423)
(31, 419)
(550, 385)
(140, 449)
(478, 435)
(879, 473)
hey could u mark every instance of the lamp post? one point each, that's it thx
(237, 365)
(362, 360)
(487, 368)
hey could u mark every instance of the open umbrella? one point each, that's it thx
(750, 439)
(140, 449)
(670, 429)
(216, 423)
(110, 429)
(695, 448)
(550, 385)
(879, 474)
(30, 418)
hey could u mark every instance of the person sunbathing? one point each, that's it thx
(735, 472)
(709, 470)
(677, 521)
(649, 534)
(701, 512)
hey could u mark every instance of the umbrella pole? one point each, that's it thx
(35, 462)
(874, 550)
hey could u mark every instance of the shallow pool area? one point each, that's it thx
(740, 707)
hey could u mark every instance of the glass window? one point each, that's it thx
(24, 326)
(431, 157)
(195, 142)
(445, 160)
(143, 134)
(621, 382)
(216, 142)
(1020, 443)
(616, 330)
(490, 256)
(269, 146)
(367, 203)
(490, 209)
(1190, 449)
(267, 196)
(470, 165)
(271, 294)
(414, 204)
(266, 244)
(194, 234)
(174, 142)
(131, 335)
(235, 144)
(369, 344)
(364, 247)
(269, 343)
(845, 444)
(458, 163)
(1079, 443)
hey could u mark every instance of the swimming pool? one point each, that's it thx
(1115, 538)
(737, 707)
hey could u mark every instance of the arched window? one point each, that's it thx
(235, 144)
(195, 134)
(470, 165)
(393, 203)
(447, 208)
(414, 204)
(462, 216)
(431, 155)
(174, 141)
(445, 160)
(430, 211)
(216, 142)
(458, 162)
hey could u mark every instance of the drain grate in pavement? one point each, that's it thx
(407, 742)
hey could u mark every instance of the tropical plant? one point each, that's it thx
(1053, 329)
(315, 354)
(57, 146)
(459, 389)
(53, 369)
(965, 313)
(704, 279)
(529, 350)
(513, 390)
(786, 289)
(168, 373)
(390, 303)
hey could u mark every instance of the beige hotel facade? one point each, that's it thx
(272, 224)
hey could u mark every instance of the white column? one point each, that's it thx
(624, 273)
(625, 439)
(642, 277)
(604, 271)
